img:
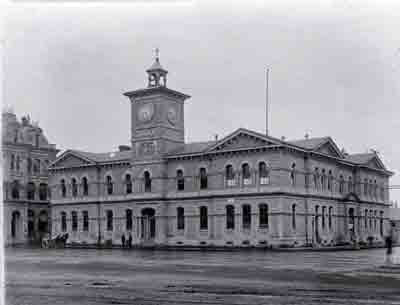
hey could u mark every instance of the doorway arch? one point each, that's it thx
(148, 224)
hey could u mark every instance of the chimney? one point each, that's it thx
(216, 137)
(124, 148)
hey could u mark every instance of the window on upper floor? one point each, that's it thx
(316, 177)
(294, 216)
(63, 221)
(292, 174)
(74, 187)
(203, 218)
(30, 191)
(323, 179)
(350, 184)
(229, 175)
(330, 180)
(85, 216)
(263, 172)
(230, 217)
(18, 163)
(180, 180)
(109, 185)
(246, 216)
(263, 215)
(128, 184)
(370, 218)
(341, 184)
(375, 219)
(323, 214)
(203, 178)
(63, 188)
(74, 217)
(365, 186)
(128, 220)
(15, 187)
(85, 186)
(12, 161)
(375, 189)
(43, 191)
(246, 175)
(366, 218)
(29, 165)
(381, 223)
(330, 218)
(109, 220)
(147, 182)
(180, 218)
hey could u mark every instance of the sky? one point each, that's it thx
(334, 68)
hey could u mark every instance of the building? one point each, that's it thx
(247, 189)
(26, 156)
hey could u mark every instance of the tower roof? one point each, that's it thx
(156, 66)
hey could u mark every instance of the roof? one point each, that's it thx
(360, 158)
(311, 143)
(105, 157)
(156, 66)
(194, 147)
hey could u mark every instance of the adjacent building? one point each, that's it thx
(26, 156)
(247, 189)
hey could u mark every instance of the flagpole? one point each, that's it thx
(267, 104)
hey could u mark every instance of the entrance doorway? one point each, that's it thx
(148, 224)
(43, 224)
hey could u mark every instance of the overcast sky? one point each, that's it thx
(335, 67)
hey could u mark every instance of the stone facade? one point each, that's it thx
(26, 156)
(247, 189)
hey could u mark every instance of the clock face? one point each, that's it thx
(146, 112)
(172, 116)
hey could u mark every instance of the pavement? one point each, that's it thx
(144, 277)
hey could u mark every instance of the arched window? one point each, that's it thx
(330, 218)
(180, 180)
(74, 217)
(323, 217)
(330, 179)
(351, 218)
(29, 165)
(366, 219)
(370, 219)
(246, 175)
(246, 216)
(63, 188)
(230, 217)
(43, 191)
(381, 223)
(63, 221)
(109, 216)
(128, 184)
(15, 189)
(229, 175)
(370, 188)
(203, 178)
(293, 216)
(129, 219)
(109, 185)
(180, 218)
(147, 182)
(74, 187)
(316, 177)
(375, 189)
(323, 179)
(350, 184)
(293, 175)
(85, 186)
(375, 219)
(365, 186)
(12, 161)
(18, 163)
(203, 218)
(85, 216)
(341, 184)
(263, 172)
(263, 215)
(30, 191)
(15, 219)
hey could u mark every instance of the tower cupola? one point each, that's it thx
(157, 74)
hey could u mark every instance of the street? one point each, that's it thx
(86, 277)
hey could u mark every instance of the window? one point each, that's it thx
(74, 187)
(63, 188)
(229, 175)
(63, 221)
(246, 175)
(366, 218)
(323, 217)
(110, 225)
(203, 178)
(203, 218)
(180, 180)
(18, 163)
(382, 193)
(37, 162)
(37, 140)
(341, 184)
(330, 179)
(263, 214)
(370, 219)
(316, 177)
(381, 223)
(74, 217)
(29, 165)
(128, 184)
(350, 184)
(12, 161)
(263, 172)
(365, 186)
(330, 218)
(43, 191)
(147, 182)
(180, 218)
(85, 186)
(16, 136)
(351, 220)
(293, 216)
(370, 188)
(30, 191)
(375, 189)
(293, 174)
(230, 217)
(85, 216)
(323, 179)
(375, 219)
(128, 220)
(109, 185)
(246, 216)
(15, 189)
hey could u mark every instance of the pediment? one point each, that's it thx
(70, 159)
(375, 162)
(329, 148)
(242, 139)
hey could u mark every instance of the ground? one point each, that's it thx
(139, 277)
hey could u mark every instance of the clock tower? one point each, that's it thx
(157, 116)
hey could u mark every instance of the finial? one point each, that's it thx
(157, 53)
